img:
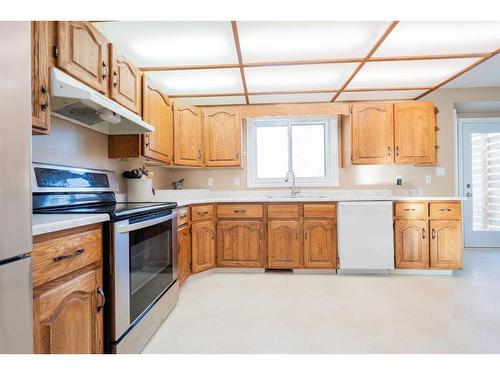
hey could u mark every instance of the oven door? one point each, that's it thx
(143, 266)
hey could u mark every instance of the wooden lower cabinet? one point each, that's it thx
(446, 244)
(202, 246)
(239, 243)
(68, 315)
(320, 244)
(283, 246)
(411, 244)
(184, 253)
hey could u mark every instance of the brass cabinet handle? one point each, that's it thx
(445, 209)
(45, 106)
(105, 70)
(397, 150)
(101, 292)
(410, 209)
(147, 140)
(63, 257)
(115, 81)
(239, 211)
(424, 233)
(433, 233)
(213, 234)
(202, 212)
(199, 154)
(389, 150)
(306, 233)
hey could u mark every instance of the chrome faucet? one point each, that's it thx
(295, 190)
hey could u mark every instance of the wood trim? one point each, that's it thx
(365, 60)
(312, 62)
(234, 26)
(456, 75)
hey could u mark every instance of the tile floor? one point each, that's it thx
(304, 313)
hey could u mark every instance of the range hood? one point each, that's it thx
(74, 101)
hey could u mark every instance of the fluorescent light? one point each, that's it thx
(379, 95)
(425, 38)
(265, 41)
(298, 77)
(212, 100)
(407, 73)
(291, 98)
(203, 81)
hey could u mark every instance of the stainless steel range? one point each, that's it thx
(140, 256)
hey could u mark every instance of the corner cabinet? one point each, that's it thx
(372, 133)
(415, 133)
(222, 137)
(82, 51)
(126, 82)
(188, 138)
(184, 252)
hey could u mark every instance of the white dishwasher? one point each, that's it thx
(365, 236)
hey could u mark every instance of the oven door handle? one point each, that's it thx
(124, 228)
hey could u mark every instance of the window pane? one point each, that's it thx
(272, 151)
(308, 150)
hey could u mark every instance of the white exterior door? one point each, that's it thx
(480, 182)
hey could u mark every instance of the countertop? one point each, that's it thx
(54, 222)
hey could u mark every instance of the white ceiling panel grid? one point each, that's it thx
(286, 40)
(212, 100)
(172, 43)
(203, 81)
(298, 77)
(291, 98)
(408, 73)
(379, 95)
(432, 38)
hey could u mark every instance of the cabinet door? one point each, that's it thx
(68, 317)
(412, 244)
(83, 53)
(320, 244)
(372, 133)
(188, 136)
(222, 128)
(158, 111)
(203, 246)
(126, 82)
(283, 249)
(446, 244)
(239, 244)
(184, 257)
(40, 63)
(415, 133)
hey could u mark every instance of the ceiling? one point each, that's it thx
(222, 62)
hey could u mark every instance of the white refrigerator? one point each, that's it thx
(16, 296)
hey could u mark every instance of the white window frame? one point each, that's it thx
(331, 151)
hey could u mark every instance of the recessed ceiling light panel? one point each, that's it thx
(291, 98)
(379, 95)
(212, 100)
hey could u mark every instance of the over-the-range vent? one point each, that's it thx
(80, 112)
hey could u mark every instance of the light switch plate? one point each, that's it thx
(237, 181)
(428, 179)
(440, 171)
(210, 181)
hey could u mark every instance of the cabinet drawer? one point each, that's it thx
(202, 212)
(320, 210)
(278, 211)
(240, 210)
(411, 210)
(445, 210)
(57, 254)
(182, 216)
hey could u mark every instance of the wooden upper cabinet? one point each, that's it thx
(83, 53)
(415, 133)
(125, 82)
(158, 111)
(320, 244)
(203, 246)
(239, 244)
(372, 133)
(41, 33)
(68, 317)
(184, 253)
(188, 138)
(446, 244)
(222, 137)
(411, 244)
(283, 244)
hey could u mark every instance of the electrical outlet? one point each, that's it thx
(440, 171)
(210, 181)
(237, 181)
(428, 179)
(399, 180)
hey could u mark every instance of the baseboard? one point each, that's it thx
(422, 272)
